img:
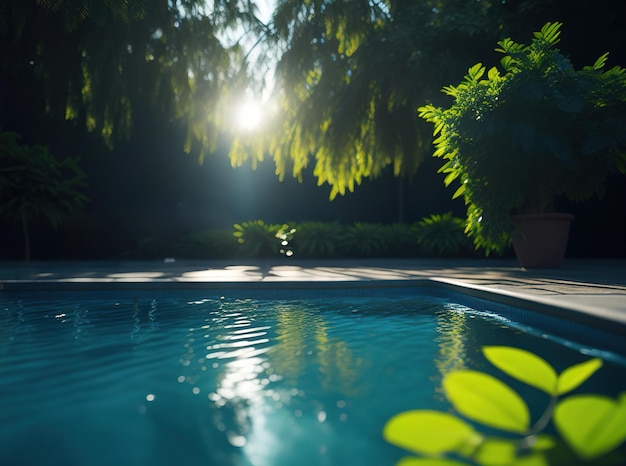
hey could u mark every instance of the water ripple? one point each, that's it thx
(200, 380)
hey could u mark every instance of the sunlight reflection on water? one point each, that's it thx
(233, 382)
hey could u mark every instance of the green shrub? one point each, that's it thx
(208, 244)
(148, 247)
(317, 239)
(34, 184)
(518, 137)
(442, 235)
(363, 239)
(437, 235)
(399, 240)
(258, 239)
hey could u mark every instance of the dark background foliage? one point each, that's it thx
(144, 187)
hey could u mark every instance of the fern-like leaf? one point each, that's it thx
(550, 33)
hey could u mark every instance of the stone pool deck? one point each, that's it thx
(592, 288)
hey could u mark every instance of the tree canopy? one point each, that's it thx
(347, 76)
(94, 62)
(351, 74)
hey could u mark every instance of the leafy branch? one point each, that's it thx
(591, 425)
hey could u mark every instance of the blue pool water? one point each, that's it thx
(192, 377)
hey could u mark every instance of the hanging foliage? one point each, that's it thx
(94, 62)
(349, 78)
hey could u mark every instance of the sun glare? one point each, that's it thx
(249, 115)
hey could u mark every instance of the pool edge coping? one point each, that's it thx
(605, 321)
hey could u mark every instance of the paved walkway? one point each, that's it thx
(591, 287)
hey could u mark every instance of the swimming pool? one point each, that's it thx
(236, 377)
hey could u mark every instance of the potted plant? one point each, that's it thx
(517, 139)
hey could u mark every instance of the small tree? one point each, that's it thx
(34, 183)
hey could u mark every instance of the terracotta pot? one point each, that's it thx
(542, 239)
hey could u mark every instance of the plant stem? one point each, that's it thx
(541, 424)
(543, 421)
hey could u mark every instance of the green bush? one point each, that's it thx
(437, 235)
(399, 240)
(317, 239)
(363, 239)
(34, 183)
(519, 136)
(208, 244)
(442, 235)
(258, 239)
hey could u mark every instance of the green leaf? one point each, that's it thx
(550, 32)
(459, 191)
(524, 366)
(487, 400)
(450, 177)
(592, 425)
(429, 432)
(600, 62)
(412, 461)
(544, 442)
(509, 46)
(575, 375)
(475, 72)
(438, 128)
(506, 62)
(493, 73)
(496, 452)
(534, 459)
(449, 90)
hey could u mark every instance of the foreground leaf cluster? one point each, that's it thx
(590, 426)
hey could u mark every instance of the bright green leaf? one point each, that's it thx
(550, 32)
(592, 425)
(475, 72)
(428, 432)
(450, 177)
(523, 365)
(493, 73)
(544, 442)
(600, 62)
(575, 375)
(534, 459)
(450, 90)
(413, 461)
(506, 62)
(438, 128)
(487, 400)
(495, 452)
(459, 191)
